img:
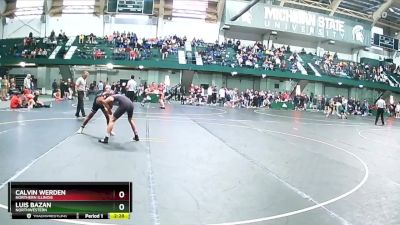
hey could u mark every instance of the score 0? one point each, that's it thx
(121, 195)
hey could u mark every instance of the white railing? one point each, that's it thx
(70, 52)
(70, 41)
(315, 70)
(54, 53)
(199, 60)
(188, 46)
(181, 57)
(301, 68)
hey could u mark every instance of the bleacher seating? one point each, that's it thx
(211, 54)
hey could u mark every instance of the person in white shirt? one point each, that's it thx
(80, 87)
(381, 106)
(222, 95)
(27, 82)
(100, 86)
(209, 94)
(131, 88)
(397, 110)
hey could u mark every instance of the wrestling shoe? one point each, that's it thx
(136, 138)
(104, 140)
(80, 131)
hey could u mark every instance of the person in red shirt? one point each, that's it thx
(57, 95)
(15, 102)
(98, 54)
(133, 55)
(29, 99)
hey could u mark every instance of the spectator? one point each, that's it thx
(62, 88)
(52, 36)
(81, 38)
(27, 82)
(57, 95)
(398, 110)
(27, 99)
(54, 86)
(33, 83)
(1, 89)
(15, 101)
(164, 52)
(98, 54)
(133, 55)
(71, 88)
(222, 95)
(100, 86)
(39, 104)
(5, 88)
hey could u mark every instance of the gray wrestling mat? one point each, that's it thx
(210, 165)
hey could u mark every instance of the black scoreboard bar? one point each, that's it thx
(140, 7)
(70, 200)
(386, 42)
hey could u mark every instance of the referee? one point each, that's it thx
(381, 106)
(80, 87)
(130, 89)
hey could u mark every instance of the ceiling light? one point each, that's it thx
(110, 66)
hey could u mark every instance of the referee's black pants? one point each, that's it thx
(380, 113)
(80, 107)
(131, 95)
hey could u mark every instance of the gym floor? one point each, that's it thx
(212, 165)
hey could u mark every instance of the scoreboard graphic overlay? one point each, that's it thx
(70, 200)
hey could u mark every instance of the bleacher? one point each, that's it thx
(15, 48)
(314, 63)
(222, 60)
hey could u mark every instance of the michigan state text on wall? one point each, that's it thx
(271, 17)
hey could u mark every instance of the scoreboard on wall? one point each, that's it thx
(386, 42)
(66, 200)
(130, 6)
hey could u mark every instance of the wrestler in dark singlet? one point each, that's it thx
(98, 103)
(124, 106)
